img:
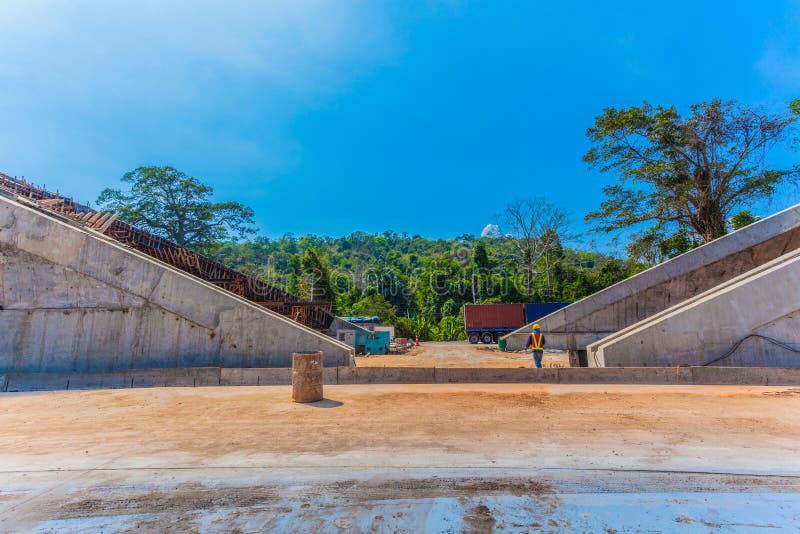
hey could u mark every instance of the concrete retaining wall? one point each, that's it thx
(214, 376)
(639, 297)
(143, 378)
(763, 302)
(73, 300)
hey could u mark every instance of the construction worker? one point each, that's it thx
(536, 344)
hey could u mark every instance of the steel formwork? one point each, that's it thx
(317, 315)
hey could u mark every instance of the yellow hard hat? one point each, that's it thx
(536, 326)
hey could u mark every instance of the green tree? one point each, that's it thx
(450, 307)
(411, 327)
(684, 171)
(479, 271)
(677, 244)
(345, 300)
(406, 327)
(581, 287)
(536, 227)
(481, 258)
(652, 246)
(611, 272)
(438, 281)
(420, 281)
(295, 275)
(168, 203)
(450, 328)
(316, 276)
(742, 219)
(375, 305)
(553, 255)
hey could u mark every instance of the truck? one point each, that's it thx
(486, 323)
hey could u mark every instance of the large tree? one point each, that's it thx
(536, 227)
(171, 204)
(479, 271)
(375, 304)
(687, 172)
(316, 276)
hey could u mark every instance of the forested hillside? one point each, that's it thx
(421, 284)
(683, 179)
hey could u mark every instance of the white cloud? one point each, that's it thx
(490, 230)
(91, 88)
(303, 46)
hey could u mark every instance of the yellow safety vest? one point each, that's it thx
(537, 341)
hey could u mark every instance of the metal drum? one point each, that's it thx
(307, 376)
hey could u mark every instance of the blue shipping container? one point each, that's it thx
(536, 310)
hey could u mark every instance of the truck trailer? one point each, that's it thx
(488, 322)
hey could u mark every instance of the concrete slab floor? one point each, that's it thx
(413, 458)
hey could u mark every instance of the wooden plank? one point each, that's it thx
(99, 222)
(106, 225)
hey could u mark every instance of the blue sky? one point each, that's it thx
(334, 116)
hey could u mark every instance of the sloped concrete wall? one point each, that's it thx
(639, 297)
(73, 300)
(749, 311)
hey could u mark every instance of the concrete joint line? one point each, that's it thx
(149, 296)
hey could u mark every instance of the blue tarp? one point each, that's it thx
(363, 319)
(536, 310)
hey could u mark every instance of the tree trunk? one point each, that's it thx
(547, 268)
(710, 221)
(474, 300)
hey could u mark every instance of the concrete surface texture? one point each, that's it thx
(645, 294)
(74, 300)
(435, 458)
(753, 319)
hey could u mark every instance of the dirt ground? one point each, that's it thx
(435, 458)
(653, 422)
(460, 354)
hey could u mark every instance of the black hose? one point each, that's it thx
(738, 343)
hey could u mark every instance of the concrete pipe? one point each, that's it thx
(307, 376)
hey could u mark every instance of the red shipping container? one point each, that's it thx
(489, 316)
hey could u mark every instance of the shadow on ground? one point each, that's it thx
(325, 403)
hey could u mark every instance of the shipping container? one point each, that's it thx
(488, 322)
(536, 310)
